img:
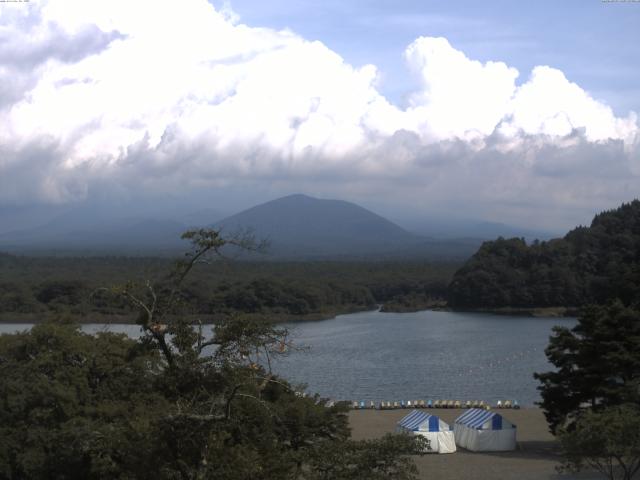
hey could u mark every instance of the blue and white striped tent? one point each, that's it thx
(481, 430)
(439, 433)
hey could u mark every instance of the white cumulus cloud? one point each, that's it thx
(167, 95)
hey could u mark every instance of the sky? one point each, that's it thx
(518, 112)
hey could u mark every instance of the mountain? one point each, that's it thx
(593, 264)
(297, 226)
(109, 227)
(14, 218)
(302, 226)
(130, 236)
(452, 228)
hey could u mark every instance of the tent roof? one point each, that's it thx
(477, 417)
(415, 419)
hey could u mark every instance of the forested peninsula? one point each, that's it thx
(593, 264)
(34, 289)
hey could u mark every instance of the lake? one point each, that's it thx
(406, 356)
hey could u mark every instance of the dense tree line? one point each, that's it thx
(178, 403)
(592, 399)
(589, 265)
(34, 288)
(79, 406)
(597, 364)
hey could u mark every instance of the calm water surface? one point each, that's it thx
(391, 356)
(439, 355)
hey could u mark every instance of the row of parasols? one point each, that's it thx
(362, 405)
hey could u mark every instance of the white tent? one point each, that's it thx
(439, 434)
(484, 431)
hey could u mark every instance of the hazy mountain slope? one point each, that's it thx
(448, 228)
(13, 218)
(102, 228)
(111, 235)
(298, 224)
(298, 227)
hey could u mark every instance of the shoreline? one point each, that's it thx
(536, 456)
(121, 319)
(549, 312)
(554, 312)
(130, 319)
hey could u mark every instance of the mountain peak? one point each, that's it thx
(300, 225)
(296, 196)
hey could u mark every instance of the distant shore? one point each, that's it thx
(441, 306)
(526, 312)
(536, 456)
(130, 319)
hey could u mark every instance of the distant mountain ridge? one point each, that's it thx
(298, 226)
(88, 231)
(128, 236)
(446, 228)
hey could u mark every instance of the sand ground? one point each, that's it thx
(536, 457)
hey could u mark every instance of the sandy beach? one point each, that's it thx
(535, 459)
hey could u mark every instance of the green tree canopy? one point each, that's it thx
(179, 403)
(594, 264)
(607, 441)
(597, 364)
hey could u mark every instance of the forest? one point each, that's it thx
(33, 289)
(591, 264)
(177, 403)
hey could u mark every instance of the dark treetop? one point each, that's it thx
(589, 265)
